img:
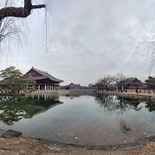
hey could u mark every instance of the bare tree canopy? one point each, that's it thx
(19, 11)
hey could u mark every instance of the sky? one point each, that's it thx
(82, 41)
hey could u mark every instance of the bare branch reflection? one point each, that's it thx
(116, 103)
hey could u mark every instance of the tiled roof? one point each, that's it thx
(131, 79)
(45, 75)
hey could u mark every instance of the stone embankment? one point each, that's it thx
(65, 92)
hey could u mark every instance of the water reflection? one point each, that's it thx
(150, 105)
(134, 119)
(13, 109)
(85, 120)
(116, 103)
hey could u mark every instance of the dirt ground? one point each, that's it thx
(28, 146)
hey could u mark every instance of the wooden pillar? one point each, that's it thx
(45, 97)
(38, 97)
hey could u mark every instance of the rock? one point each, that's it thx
(11, 134)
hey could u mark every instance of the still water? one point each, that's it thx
(85, 120)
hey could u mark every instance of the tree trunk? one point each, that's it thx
(19, 12)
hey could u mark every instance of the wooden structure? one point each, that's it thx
(44, 81)
(133, 83)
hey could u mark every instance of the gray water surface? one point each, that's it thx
(85, 120)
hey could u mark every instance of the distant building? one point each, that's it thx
(73, 86)
(132, 83)
(91, 85)
(44, 81)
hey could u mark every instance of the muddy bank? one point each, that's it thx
(26, 146)
(140, 142)
(20, 145)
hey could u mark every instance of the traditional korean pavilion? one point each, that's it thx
(132, 83)
(44, 81)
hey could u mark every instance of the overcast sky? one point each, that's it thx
(86, 40)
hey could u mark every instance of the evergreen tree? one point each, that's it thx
(13, 81)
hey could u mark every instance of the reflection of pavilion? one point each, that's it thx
(44, 97)
(44, 102)
(44, 81)
(14, 109)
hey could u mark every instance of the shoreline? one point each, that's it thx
(140, 142)
(27, 145)
(131, 95)
(8, 134)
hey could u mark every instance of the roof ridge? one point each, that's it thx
(46, 74)
(38, 69)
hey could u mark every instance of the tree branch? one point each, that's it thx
(38, 6)
(19, 12)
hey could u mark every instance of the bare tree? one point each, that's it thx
(19, 11)
(7, 24)
(119, 79)
(103, 83)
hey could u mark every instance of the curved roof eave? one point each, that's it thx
(47, 75)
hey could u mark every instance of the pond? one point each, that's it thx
(84, 120)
